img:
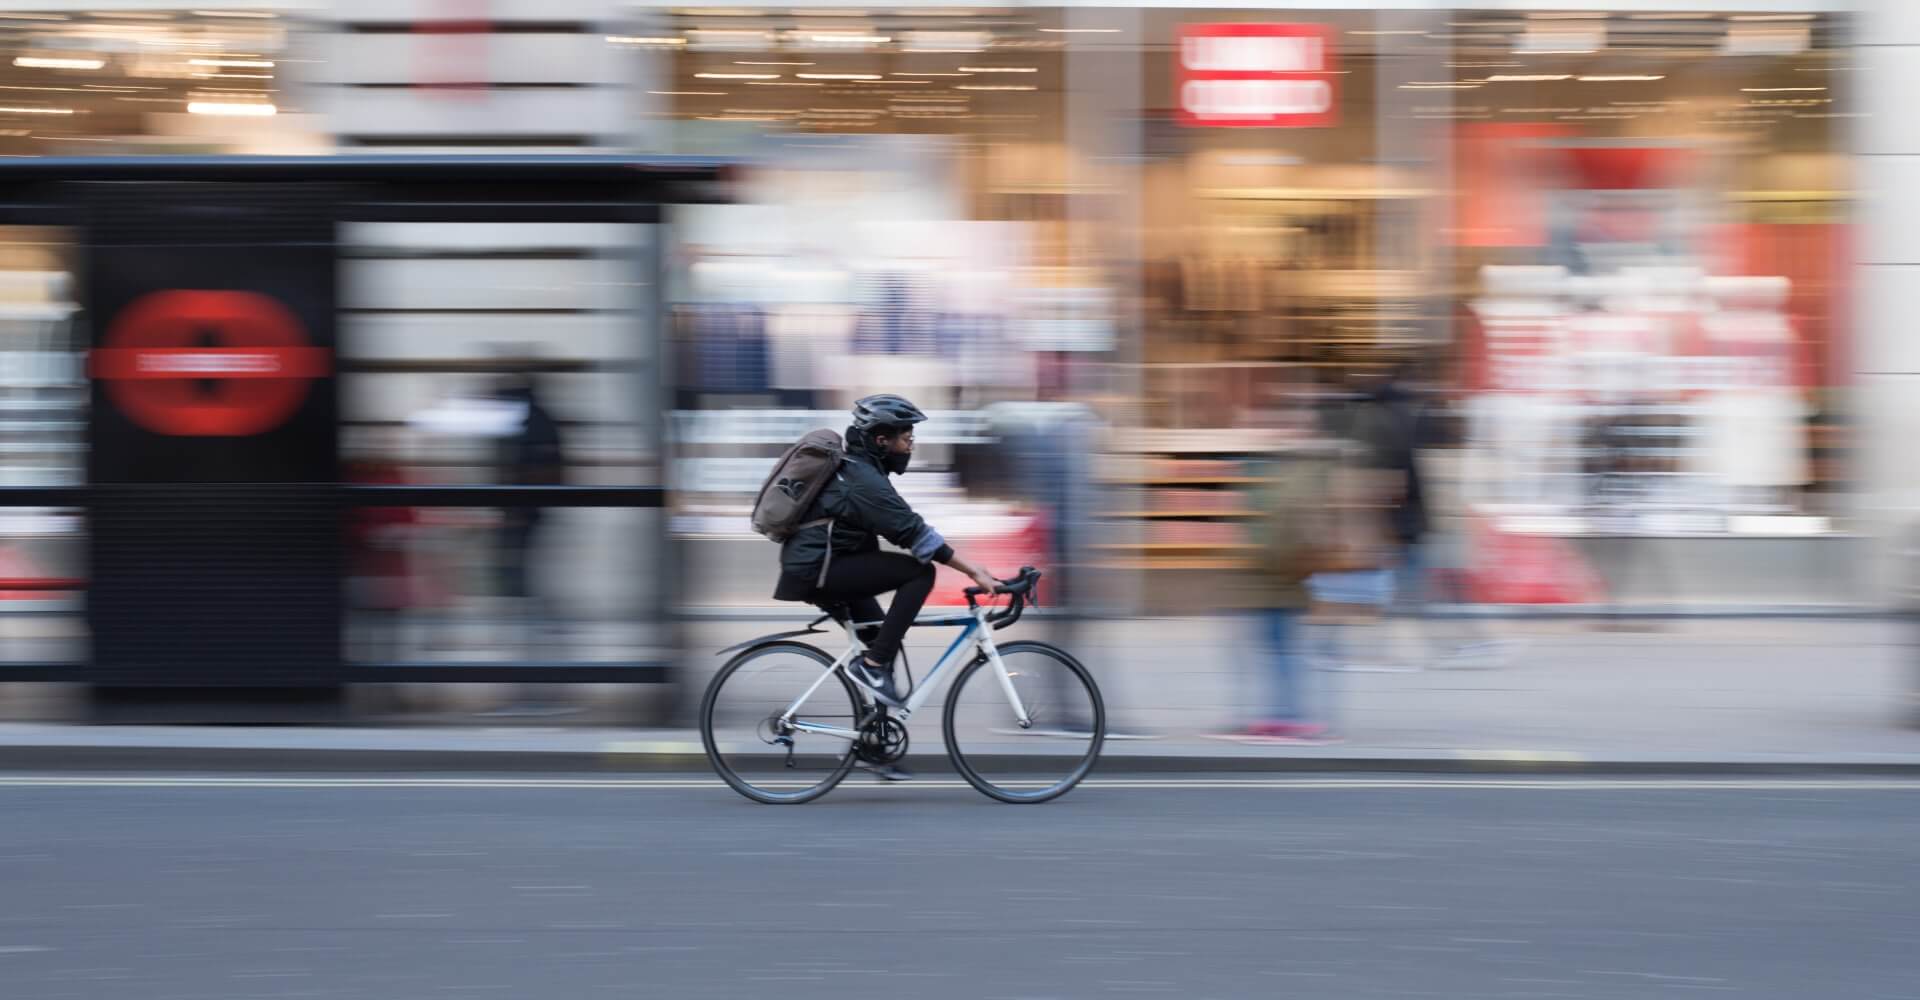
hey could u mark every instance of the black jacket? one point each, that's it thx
(864, 508)
(532, 455)
(1389, 427)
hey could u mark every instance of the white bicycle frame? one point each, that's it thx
(976, 636)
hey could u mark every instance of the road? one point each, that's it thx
(393, 887)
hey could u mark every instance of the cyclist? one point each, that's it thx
(836, 558)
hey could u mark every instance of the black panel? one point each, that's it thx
(270, 243)
(215, 524)
(216, 584)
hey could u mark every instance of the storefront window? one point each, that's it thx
(1651, 227)
(1610, 246)
(150, 81)
(900, 228)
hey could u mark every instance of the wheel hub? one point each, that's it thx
(774, 732)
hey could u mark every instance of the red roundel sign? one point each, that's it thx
(208, 363)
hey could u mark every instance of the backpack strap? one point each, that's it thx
(828, 561)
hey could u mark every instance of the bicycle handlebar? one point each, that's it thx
(1020, 588)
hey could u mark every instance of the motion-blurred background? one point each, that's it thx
(1624, 286)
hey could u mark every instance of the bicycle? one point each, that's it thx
(808, 732)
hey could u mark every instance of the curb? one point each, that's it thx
(617, 758)
(709, 614)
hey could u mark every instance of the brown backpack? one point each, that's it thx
(796, 481)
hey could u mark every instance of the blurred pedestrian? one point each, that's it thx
(530, 454)
(1353, 582)
(1046, 451)
(1291, 537)
(1390, 422)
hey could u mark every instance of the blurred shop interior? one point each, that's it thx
(1612, 245)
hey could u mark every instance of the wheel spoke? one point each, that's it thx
(1034, 763)
(740, 723)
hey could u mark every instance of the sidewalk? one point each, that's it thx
(1699, 695)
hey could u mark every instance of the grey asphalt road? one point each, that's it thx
(397, 887)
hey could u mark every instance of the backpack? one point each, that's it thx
(1300, 530)
(795, 482)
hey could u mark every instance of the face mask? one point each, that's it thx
(897, 464)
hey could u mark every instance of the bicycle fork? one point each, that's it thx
(1020, 715)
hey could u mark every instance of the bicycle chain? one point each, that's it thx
(883, 740)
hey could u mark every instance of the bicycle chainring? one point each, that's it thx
(883, 740)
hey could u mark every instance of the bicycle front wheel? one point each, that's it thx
(1042, 760)
(764, 746)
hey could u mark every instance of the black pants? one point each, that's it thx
(856, 580)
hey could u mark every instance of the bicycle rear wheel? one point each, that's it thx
(1044, 760)
(762, 757)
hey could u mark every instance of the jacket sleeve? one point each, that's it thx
(886, 513)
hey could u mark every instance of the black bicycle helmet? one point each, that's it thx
(885, 410)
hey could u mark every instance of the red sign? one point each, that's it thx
(208, 363)
(1255, 76)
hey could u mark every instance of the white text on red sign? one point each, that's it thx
(1253, 54)
(208, 363)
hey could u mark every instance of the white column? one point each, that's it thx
(1105, 147)
(1412, 143)
(1886, 337)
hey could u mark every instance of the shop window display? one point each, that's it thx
(1613, 246)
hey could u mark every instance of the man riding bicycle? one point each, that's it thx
(835, 559)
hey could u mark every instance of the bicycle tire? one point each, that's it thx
(732, 777)
(1065, 785)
